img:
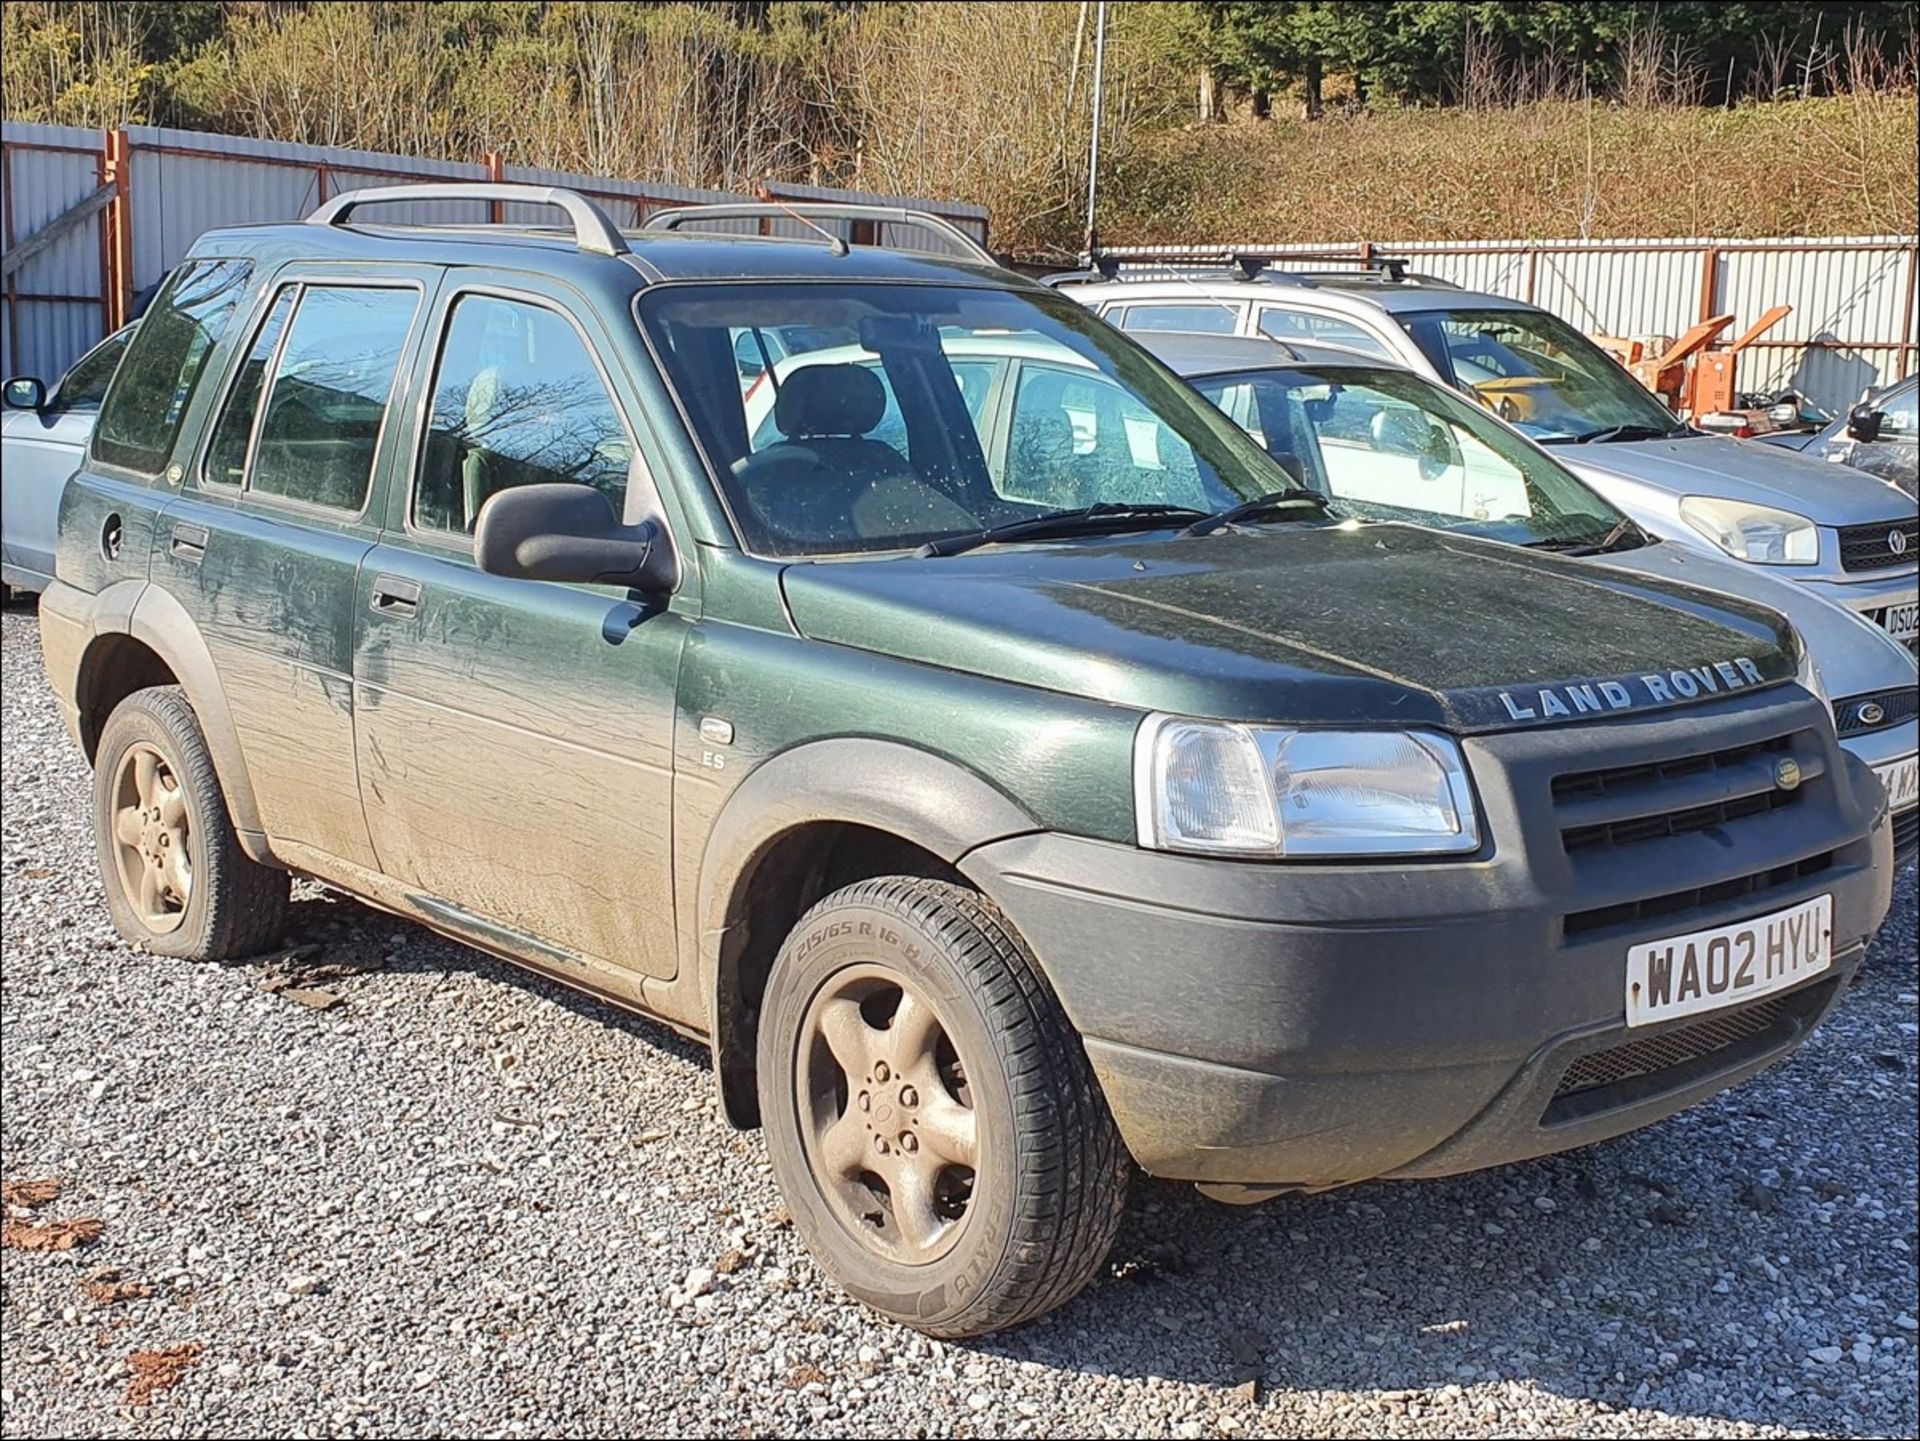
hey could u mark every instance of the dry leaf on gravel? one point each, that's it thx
(25, 1195)
(157, 1371)
(50, 1235)
(806, 1375)
(108, 1288)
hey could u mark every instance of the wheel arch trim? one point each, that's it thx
(924, 799)
(157, 620)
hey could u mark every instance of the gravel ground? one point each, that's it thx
(464, 1201)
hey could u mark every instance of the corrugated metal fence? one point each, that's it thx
(1853, 322)
(155, 190)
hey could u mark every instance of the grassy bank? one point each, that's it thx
(1814, 167)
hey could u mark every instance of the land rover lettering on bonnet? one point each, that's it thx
(914, 691)
(1626, 692)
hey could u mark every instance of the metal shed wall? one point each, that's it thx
(53, 304)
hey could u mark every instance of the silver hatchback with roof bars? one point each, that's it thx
(1842, 533)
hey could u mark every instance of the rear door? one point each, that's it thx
(264, 545)
(515, 737)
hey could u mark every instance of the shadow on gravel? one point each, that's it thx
(351, 939)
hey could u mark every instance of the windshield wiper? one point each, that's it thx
(1626, 432)
(1623, 530)
(1273, 500)
(1100, 516)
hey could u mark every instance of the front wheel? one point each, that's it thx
(930, 1112)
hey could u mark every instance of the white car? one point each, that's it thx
(43, 436)
(1841, 533)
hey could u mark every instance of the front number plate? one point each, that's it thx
(1902, 780)
(1903, 621)
(1725, 967)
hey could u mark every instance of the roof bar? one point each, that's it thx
(592, 230)
(1249, 263)
(809, 210)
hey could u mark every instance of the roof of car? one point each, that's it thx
(1191, 355)
(658, 256)
(1344, 291)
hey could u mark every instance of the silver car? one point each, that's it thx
(43, 435)
(1841, 533)
(1389, 445)
(1880, 435)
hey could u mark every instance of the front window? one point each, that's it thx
(892, 415)
(1537, 372)
(83, 387)
(1384, 444)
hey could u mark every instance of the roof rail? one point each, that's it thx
(1249, 263)
(592, 230)
(812, 210)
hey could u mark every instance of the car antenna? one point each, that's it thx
(837, 245)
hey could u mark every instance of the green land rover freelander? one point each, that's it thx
(984, 747)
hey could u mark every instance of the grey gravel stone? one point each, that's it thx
(500, 1190)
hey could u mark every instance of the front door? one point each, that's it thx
(264, 544)
(515, 737)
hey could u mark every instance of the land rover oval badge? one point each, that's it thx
(1786, 773)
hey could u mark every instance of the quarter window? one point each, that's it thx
(517, 400)
(144, 406)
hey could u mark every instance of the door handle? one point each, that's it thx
(190, 542)
(394, 595)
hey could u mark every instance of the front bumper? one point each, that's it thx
(1313, 1025)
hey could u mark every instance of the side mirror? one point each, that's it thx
(25, 393)
(569, 532)
(1863, 421)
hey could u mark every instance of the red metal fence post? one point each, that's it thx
(117, 280)
(497, 173)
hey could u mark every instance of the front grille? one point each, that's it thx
(1675, 903)
(1906, 832)
(1896, 708)
(1663, 1052)
(1674, 823)
(1624, 805)
(1871, 546)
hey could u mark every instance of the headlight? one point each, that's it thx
(1756, 533)
(1223, 789)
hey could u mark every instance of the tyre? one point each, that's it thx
(931, 1115)
(177, 881)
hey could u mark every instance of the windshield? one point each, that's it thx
(857, 418)
(1385, 444)
(1538, 373)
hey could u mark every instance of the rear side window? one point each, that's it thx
(328, 396)
(1222, 319)
(140, 419)
(303, 417)
(517, 400)
(226, 462)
